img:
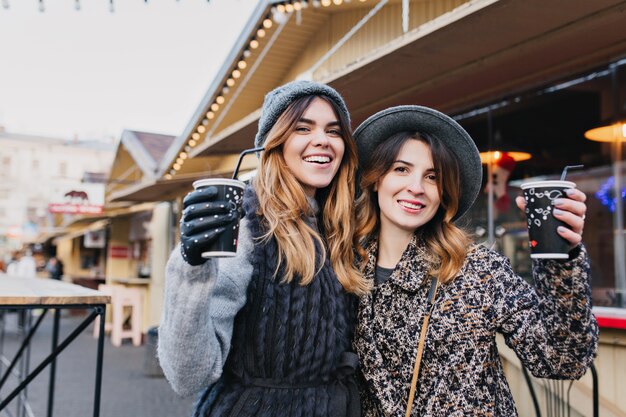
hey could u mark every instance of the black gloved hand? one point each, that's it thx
(202, 221)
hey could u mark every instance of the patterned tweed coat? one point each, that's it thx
(550, 327)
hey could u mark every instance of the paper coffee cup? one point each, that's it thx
(227, 190)
(545, 242)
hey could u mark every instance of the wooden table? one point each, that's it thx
(26, 294)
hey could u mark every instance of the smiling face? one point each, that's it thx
(314, 150)
(408, 195)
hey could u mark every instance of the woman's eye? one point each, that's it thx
(302, 129)
(431, 177)
(401, 169)
(334, 132)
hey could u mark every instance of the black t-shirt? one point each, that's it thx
(382, 274)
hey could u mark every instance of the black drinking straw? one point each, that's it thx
(241, 155)
(564, 173)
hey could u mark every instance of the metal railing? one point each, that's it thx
(556, 395)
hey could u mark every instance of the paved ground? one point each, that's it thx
(126, 389)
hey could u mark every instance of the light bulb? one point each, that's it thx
(280, 8)
(289, 7)
(179, 161)
(210, 115)
(297, 6)
(176, 167)
(260, 33)
(247, 53)
(254, 44)
(225, 90)
(183, 155)
(267, 23)
(337, 2)
(201, 129)
(168, 176)
(214, 107)
(219, 99)
(236, 74)
(192, 143)
(326, 3)
(230, 82)
(195, 135)
(242, 64)
(205, 122)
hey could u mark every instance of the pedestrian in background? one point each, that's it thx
(55, 268)
(22, 264)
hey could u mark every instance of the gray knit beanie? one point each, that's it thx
(277, 101)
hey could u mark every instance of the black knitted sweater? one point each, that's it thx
(290, 347)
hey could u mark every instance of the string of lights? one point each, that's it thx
(273, 17)
(42, 7)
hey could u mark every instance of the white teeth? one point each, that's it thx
(411, 205)
(320, 159)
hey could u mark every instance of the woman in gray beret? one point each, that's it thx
(426, 334)
(268, 332)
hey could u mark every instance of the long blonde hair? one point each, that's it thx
(445, 241)
(283, 206)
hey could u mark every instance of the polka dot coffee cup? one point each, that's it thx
(545, 242)
(232, 191)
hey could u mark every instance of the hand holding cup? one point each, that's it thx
(570, 209)
(204, 219)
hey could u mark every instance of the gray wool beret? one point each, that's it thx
(277, 101)
(386, 123)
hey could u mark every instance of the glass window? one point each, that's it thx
(550, 125)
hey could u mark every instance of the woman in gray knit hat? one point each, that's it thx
(268, 332)
(426, 334)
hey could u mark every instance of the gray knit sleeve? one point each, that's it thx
(200, 306)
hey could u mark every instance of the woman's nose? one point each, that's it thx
(416, 186)
(320, 138)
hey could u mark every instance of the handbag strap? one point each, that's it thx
(432, 293)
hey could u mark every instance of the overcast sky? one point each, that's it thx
(92, 73)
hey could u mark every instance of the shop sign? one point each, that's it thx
(118, 252)
(74, 208)
(87, 199)
(95, 239)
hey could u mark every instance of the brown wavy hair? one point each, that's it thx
(283, 206)
(445, 241)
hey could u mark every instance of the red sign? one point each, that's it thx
(74, 208)
(119, 252)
